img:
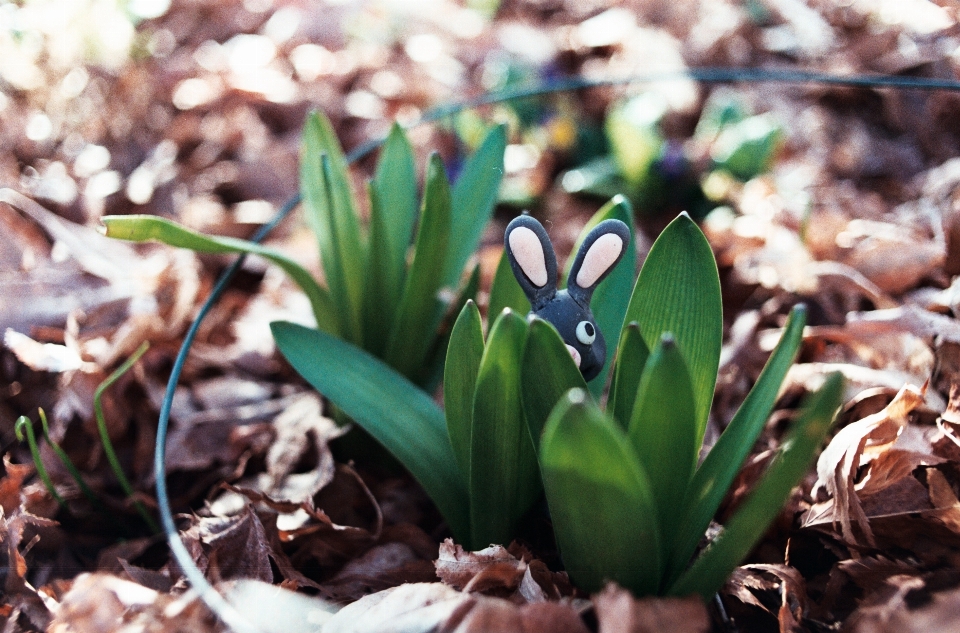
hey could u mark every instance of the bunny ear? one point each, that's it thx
(532, 259)
(602, 249)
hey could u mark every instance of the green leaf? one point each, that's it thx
(678, 291)
(420, 308)
(432, 371)
(664, 433)
(460, 381)
(505, 292)
(396, 185)
(548, 373)
(738, 537)
(331, 214)
(632, 354)
(474, 196)
(717, 472)
(610, 299)
(504, 476)
(604, 514)
(633, 129)
(379, 301)
(393, 211)
(143, 228)
(404, 419)
(746, 148)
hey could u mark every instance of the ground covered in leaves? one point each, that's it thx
(194, 111)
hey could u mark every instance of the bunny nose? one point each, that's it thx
(575, 354)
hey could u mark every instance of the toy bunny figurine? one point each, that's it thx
(534, 265)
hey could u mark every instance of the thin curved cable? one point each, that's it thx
(217, 603)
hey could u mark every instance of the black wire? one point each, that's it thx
(217, 603)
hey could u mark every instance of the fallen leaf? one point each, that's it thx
(851, 448)
(619, 612)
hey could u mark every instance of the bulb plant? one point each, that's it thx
(628, 500)
(660, 174)
(389, 284)
(476, 457)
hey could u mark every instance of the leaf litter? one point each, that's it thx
(858, 218)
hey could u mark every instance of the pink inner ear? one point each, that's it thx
(528, 252)
(601, 256)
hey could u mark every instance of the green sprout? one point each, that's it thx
(24, 429)
(105, 437)
(393, 286)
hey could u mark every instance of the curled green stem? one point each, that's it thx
(105, 437)
(67, 462)
(24, 427)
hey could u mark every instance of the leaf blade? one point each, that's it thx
(504, 475)
(145, 228)
(663, 433)
(603, 512)
(632, 355)
(678, 291)
(474, 197)
(548, 373)
(751, 520)
(460, 381)
(331, 214)
(420, 308)
(718, 470)
(404, 419)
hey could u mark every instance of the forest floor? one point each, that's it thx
(194, 112)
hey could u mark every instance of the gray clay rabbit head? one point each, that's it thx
(534, 265)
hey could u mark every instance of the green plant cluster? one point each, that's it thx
(658, 174)
(628, 501)
(24, 431)
(391, 285)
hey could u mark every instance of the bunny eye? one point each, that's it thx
(586, 332)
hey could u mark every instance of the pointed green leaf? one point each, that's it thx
(548, 373)
(678, 291)
(460, 381)
(474, 196)
(393, 211)
(420, 306)
(610, 299)
(633, 129)
(331, 214)
(505, 292)
(379, 301)
(396, 185)
(663, 431)
(504, 477)
(404, 419)
(432, 371)
(632, 355)
(143, 228)
(714, 477)
(713, 566)
(603, 511)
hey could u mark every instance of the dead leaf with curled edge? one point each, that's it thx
(512, 573)
(783, 578)
(857, 445)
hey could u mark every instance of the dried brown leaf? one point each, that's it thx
(854, 446)
(107, 604)
(619, 612)
(783, 578)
